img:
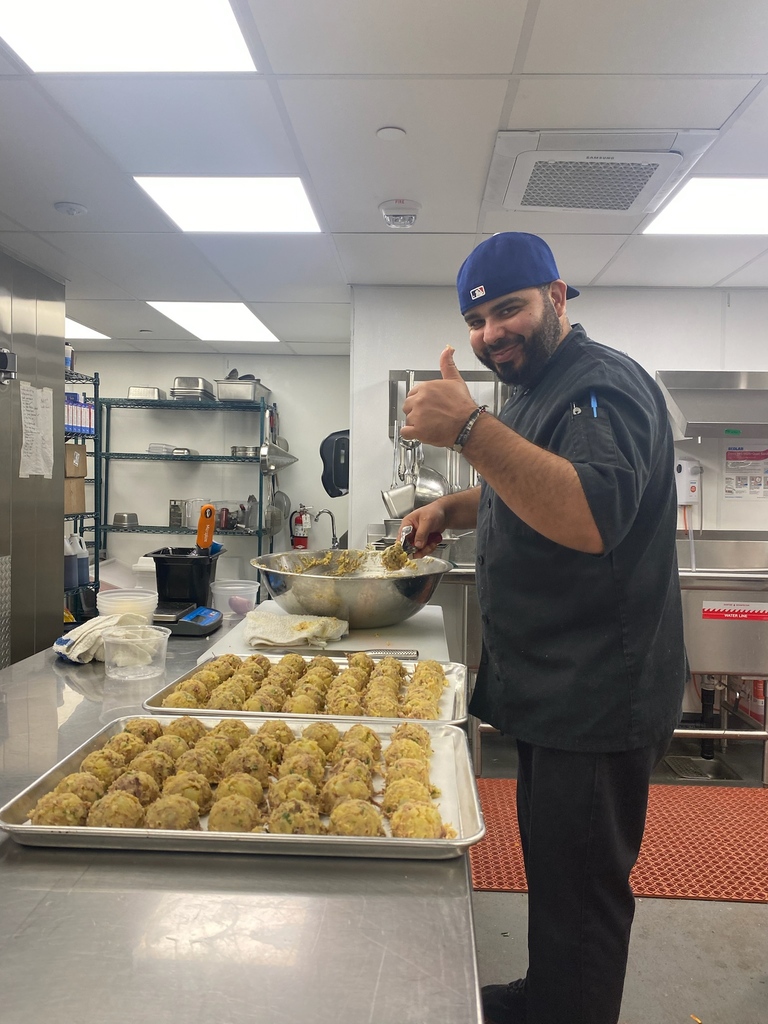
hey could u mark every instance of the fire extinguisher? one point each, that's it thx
(300, 524)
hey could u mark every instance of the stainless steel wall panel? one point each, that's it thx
(6, 404)
(49, 508)
(5, 611)
(31, 510)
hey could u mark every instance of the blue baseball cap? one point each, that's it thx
(504, 263)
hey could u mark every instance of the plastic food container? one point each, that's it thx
(234, 598)
(117, 602)
(135, 652)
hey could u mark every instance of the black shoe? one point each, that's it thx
(504, 1004)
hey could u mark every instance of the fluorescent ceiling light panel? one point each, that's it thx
(72, 329)
(233, 204)
(125, 35)
(715, 206)
(216, 321)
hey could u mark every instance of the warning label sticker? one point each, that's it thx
(742, 610)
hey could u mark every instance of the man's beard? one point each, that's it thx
(536, 350)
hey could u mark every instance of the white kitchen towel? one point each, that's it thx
(266, 629)
(86, 643)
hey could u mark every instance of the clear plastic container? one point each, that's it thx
(117, 602)
(135, 652)
(234, 598)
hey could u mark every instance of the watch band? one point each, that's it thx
(465, 431)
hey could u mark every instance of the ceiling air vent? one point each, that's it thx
(595, 172)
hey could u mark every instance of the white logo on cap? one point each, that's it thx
(476, 293)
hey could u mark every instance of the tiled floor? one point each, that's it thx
(687, 958)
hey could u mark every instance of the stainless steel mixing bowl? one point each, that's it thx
(362, 599)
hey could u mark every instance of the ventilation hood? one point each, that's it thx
(593, 172)
(716, 403)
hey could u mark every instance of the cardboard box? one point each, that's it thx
(74, 495)
(75, 460)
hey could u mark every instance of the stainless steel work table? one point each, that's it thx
(97, 937)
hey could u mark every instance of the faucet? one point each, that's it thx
(334, 538)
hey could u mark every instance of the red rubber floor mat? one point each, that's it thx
(701, 843)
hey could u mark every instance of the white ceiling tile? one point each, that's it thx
(193, 347)
(52, 160)
(179, 124)
(9, 62)
(403, 258)
(624, 37)
(248, 348)
(679, 260)
(752, 275)
(580, 257)
(576, 222)
(125, 320)
(742, 149)
(318, 349)
(277, 268)
(626, 102)
(159, 266)
(80, 281)
(442, 162)
(9, 224)
(397, 37)
(100, 345)
(306, 321)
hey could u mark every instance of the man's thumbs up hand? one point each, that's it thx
(436, 410)
(448, 368)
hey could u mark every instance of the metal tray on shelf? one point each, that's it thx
(450, 770)
(452, 706)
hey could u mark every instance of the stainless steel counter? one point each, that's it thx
(101, 937)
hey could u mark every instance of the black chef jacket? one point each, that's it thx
(585, 652)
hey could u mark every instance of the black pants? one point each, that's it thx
(581, 820)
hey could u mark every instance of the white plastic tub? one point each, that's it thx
(234, 598)
(117, 602)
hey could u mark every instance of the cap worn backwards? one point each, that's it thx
(504, 263)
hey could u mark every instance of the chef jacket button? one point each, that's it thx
(480, 560)
(489, 503)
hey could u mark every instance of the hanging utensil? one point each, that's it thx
(205, 525)
(280, 499)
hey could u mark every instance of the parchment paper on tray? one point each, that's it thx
(264, 628)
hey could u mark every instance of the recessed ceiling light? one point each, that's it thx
(126, 35)
(233, 204)
(216, 321)
(715, 206)
(73, 330)
(390, 133)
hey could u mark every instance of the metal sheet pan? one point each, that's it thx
(450, 770)
(452, 705)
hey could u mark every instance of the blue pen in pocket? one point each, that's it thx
(593, 403)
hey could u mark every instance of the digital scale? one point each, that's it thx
(186, 619)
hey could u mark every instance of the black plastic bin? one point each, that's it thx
(183, 575)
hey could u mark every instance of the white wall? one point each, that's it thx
(312, 397)
(663, 329)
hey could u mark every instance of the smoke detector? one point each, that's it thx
(591, 172)
(400, 214)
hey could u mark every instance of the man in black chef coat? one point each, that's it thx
(583, 660)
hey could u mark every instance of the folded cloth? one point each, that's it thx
(86, 643)
(265, 628)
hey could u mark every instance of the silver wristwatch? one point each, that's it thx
(461, 440)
